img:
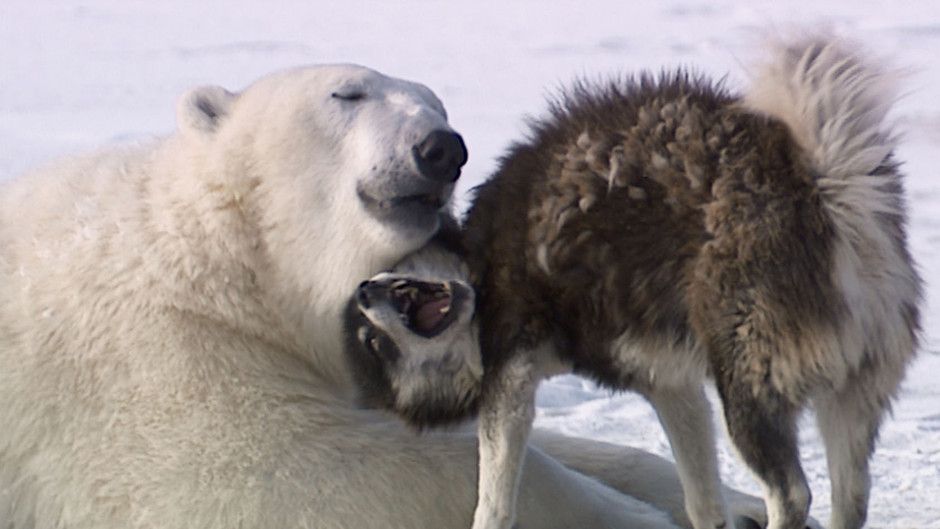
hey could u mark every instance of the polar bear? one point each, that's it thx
(171, 333)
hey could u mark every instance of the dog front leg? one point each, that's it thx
(686, 417)
(506, 415)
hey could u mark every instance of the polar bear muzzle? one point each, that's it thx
(411, 196)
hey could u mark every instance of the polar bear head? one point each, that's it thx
(340, 170)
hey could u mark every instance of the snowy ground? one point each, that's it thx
(79, 74)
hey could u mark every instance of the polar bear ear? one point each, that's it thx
(201, 109)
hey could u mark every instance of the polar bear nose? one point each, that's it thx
(440, 155)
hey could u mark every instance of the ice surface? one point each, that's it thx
(79, 74)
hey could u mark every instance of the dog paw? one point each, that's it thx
(746, 522)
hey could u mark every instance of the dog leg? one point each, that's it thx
(763, 429)
(506, 415)
(848, 421)
(687, 419)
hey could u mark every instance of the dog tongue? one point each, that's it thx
(429, 315)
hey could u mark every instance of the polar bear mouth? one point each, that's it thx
(433, 200)
(425, 308)
(416, 206)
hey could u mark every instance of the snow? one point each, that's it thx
(76, 75)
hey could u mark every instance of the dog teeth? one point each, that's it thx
(445, 310)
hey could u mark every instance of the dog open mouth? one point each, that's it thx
(426, 308)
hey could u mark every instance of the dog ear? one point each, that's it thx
(202, 109)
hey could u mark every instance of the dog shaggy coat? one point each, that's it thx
(655, 230)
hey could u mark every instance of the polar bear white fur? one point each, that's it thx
(170, 331)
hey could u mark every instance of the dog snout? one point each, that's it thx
(440, 155)
(375, 291)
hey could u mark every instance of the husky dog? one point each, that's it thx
(654, 231)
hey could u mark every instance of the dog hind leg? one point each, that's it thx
(762, 426)
(848, 420)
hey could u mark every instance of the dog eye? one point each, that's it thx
(352, 95)
(369, 339)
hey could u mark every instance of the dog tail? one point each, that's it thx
(835, 102)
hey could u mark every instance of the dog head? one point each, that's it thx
(413, 349)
